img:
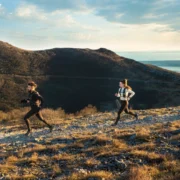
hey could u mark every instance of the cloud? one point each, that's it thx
(55, 19)
(32, 13)
(75, 5)
(114, 24)
(2, 11)
(28, 11)
(114, 11)
(139, 12)
(4, 14)
(154, 16)
(120, 11)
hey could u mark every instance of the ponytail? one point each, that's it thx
(128, 87)
(125, 82)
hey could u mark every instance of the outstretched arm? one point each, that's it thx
(25, 101)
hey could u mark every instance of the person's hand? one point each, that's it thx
(128, 99)
(116, 94)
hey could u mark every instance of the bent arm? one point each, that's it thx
(131, 94)
(40, 98)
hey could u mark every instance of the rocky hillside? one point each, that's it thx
(85, 146)
(73, 78)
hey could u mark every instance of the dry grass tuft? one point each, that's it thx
(63, 157)
(91, 162)
(122, 133)
(141, 173)
(151, 157)
(102, 140)
(34, 157)
(120, 144)
(12, 159)
(98, 175)
(51, 114)
(87, 111)
(56, 169)
(7, 168)
(143, 133)
(24, 177)
(169, 165)
(150, 146)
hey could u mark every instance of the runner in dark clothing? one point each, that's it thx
(36, 102)
(125, 93)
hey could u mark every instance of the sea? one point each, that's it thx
(169, 65)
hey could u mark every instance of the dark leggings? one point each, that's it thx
(124, 107)
(32, 112)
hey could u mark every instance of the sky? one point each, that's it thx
(139, 29)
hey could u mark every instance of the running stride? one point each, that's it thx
(36, 101)
(125, 93)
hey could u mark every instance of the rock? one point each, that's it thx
(168, 124)
(175, 132)
(158, 140)
(149, 118)
(122, 156)
(38, 139)
(163, 137)
(81, 170)
(138, 161)
(175, 143)
(61, 177)
(132, 137)
(121, 164)
(91, 178)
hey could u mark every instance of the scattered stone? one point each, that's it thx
(149, 118)
(132, 137)
(138, 161)
(97, 124)
(175, 132)
(121, 164)
(175, 143)
(81, 170)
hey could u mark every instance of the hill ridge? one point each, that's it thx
(97, 72)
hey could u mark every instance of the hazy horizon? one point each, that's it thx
(152, 56)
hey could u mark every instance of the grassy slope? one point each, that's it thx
(85, 146)
(82, 76)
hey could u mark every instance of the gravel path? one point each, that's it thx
(93, 123)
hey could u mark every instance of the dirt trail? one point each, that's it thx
(100, 122)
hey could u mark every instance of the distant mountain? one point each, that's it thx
(73, 78)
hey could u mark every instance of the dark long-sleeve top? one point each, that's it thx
(35, 99)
